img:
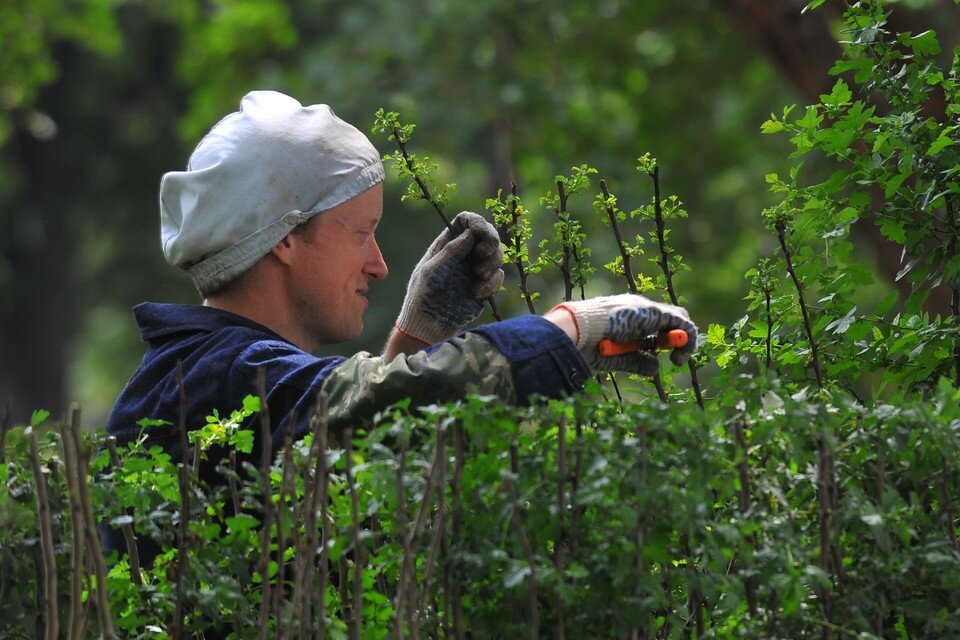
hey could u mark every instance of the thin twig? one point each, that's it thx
(576, 509)
(300, 567)
(640, 527)
(696, 595)
(517, 520)
(232, 483)
(94, 549)
(627, 270)
(266, 456)
(664, 262)
(182, 414)
(285, 490)
(133, 554)
(517, 242)
(744, 502)
(769, 339)
(787, 256)
(324, 524)
(425, 190)
(78, 549)
(405, 561)
(440, 528)
(559, 561)
(631, 284)
(182, 537)
(457, 490)
(315, 498)
(182, 550)
(945, 485)
(566, 249)
(50, 595)
(826, 529)
(825, 477)
(356, 608)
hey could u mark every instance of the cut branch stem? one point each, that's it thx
(44, 516)
(129, 537)
(517, 246)
(94, 549)
(788, 258)
(425, 191)
(356, 607)
(525, 545)
(664, 262)
(78, 550)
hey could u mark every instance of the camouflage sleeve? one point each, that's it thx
(364, 384)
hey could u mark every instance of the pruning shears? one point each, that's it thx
(664, 340)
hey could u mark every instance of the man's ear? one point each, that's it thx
(283, 250)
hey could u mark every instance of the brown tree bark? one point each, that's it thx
(39, 313)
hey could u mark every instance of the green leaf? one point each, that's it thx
(839, 96)
(941, 143)
(39, 416)
(251, 405)
(242, 523)
(923, 44)
(715, 335)
(893, 184)
(153, 422)
(811, 119)
(893, 229)
(772, 125)
(242, 440)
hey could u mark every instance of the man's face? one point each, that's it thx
(337, 256)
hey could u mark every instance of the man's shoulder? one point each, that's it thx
(158, 321)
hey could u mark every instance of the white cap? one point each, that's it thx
(259, 173)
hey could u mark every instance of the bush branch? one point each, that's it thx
(45, 519)
(94, 549)
(787, 256)
(425, 190)
(664, 262)
(517, 242)
(517, 521)
(266, 450)
(77, 553)
(129, 537)
(356, 608)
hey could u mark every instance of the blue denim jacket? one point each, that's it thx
(221, 353)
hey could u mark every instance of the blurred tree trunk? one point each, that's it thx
(38, 320)
(803, 48)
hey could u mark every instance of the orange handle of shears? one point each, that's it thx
(665, 340)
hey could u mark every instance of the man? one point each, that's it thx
(274, 219)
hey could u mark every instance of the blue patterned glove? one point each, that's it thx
(449, 284)
(625, 318)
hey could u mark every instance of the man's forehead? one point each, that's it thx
(354, 216)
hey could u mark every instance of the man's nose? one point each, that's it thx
(376, 267)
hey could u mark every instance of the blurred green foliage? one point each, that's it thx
(501, 90)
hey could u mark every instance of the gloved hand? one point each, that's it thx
(449, 284)
(625, 318)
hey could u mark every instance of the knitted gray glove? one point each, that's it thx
(449, 284)
(625, 318)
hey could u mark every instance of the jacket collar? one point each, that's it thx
(158, 320)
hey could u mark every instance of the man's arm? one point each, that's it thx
(401, 344)
(398, 343)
